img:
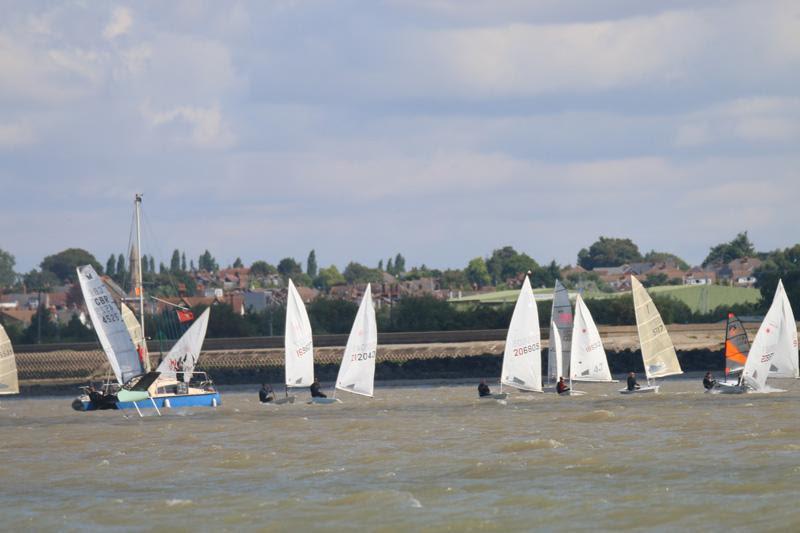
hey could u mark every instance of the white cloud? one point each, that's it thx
(194, 126)
(120, 23)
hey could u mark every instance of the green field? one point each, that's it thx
(697, 297)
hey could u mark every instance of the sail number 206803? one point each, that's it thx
(528, 348)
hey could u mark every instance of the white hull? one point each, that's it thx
(572, 393)
(647, 389)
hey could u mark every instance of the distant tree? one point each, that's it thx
(76, 331)
(311, 264)
(358, 273)
(40, 280)
(454, 279)
(507, 263)
(111, 266)
(262, 269)
(191, 265)
(238, 263)
(289, 268)
(331, 315)
(64, 264)
(390, 267)
(780, 265)
(399, 264)
(477, 273)
(380, 265)
(207, 262)
(328, 277)
(663, 257)
(7, 275)
(424, 313)
(655, 280)
(183, 261)
(42, 327)
(726, 252)
(546, 276)
(121, 269)
(609, 252)
(152, 265)
(175, 261)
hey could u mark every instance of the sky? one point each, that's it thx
(441, 129)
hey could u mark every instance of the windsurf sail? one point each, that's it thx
(298, 342)
(184, 354)
(658, 352)
(784, 364)
(561, 315)
(588, 357)
(357, 371)
(109, 326)
(522, 358)
(737, 345)
(9, 383)
(773, 338)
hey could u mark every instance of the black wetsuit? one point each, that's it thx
(265, 396)
(315, 392)
(483, 390)
(632, 385)
(709, 383)
(561, 387)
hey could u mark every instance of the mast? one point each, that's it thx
(139, 291)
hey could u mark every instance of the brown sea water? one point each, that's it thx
(424, 457)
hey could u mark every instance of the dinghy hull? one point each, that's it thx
(324, 401)
(498, 396)
(648, 389)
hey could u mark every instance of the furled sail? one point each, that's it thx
(784, 364)
(110, 328)
(357, 371)
(522, 359)
(184, 354)
(561, 315)
(737, 345)
(658, 352)
(773, 337)
(298, 342)
(588, 357)
(9, 383)
(555, 353)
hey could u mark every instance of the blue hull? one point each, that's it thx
(211, 399)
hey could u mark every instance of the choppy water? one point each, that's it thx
(431, 458)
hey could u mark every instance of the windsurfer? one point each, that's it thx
(483, 389)
(632, 385)
(315, 392)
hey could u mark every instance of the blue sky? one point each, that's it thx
(441, 129)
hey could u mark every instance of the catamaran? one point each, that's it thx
(357, 370)
(175, 383)
(588, 361)
(560, 334)
(775, 341)
(522, 357)
(658, 352)
(298, 345)
(9, 382)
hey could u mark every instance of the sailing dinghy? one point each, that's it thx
(588, 361)
(522, 357)
(9, 382)
(560, 331)
(658, 352)
(357, 370)
(298, 346)
(785, 364)
(737, 346)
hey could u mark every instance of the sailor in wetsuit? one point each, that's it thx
(265, 395)
(562, 387)
(709, 381)
(483, 389)
(315, 392)
(632, 385)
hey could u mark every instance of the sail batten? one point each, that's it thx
(658, 352)
(522, 358)
(357, 371)
(298, 342)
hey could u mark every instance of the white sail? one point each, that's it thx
(298, 342)
(522, 359)
(184, 355)
(555, 354)
(772, 338)
(561, 315)
(110, 328)
(357, 371)
(658, 352)
(588, 357)
(9, 383)
(784, 364)
(135, 331)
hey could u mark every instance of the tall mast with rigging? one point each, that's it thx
(139, 285)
